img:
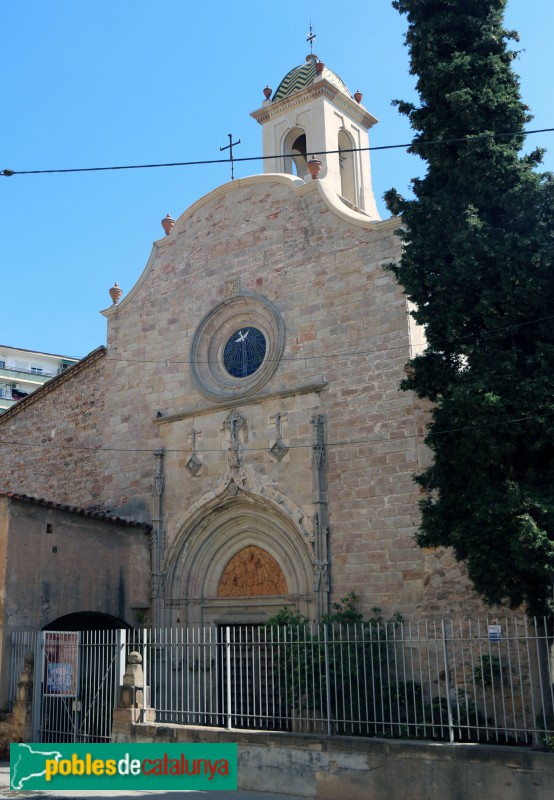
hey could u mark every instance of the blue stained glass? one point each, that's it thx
(244, 352)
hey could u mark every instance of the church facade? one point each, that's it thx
(247, 402)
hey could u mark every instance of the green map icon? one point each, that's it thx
(28, 765)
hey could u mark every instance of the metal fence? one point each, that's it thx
(23, 644)
(75, 675)
(454, 681)
(466, 681)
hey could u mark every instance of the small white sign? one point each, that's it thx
(495, 633)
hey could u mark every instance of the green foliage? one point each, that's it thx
(288, 618)
(478, 266)
(546, 725)
(488, 672)
(141, 616)
(347, 670)
(341, 664)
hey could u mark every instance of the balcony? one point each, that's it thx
(23, 371)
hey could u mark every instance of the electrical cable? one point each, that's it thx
(477, 137)
(343, 354)
(245, 450)
(8, 173)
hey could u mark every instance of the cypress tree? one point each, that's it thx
(477, 264)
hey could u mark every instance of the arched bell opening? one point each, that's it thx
(347, 167)
(295, 153)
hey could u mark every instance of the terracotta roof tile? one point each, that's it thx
(84, 512)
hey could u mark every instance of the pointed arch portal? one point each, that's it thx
(240, 558)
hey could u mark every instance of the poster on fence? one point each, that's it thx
(60, 661)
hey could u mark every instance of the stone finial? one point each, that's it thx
(25, 685)
(268, 92)
(133, 698)
(115, 293)
(358, 96)
(168, 223)
(314, 167)
(319, 67)
(134, 675)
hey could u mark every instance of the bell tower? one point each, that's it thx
(312, 113)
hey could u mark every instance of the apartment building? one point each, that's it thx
(24, 371)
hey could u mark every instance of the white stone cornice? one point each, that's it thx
(338, 207)
(320, 88)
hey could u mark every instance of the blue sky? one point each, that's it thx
(110, 83)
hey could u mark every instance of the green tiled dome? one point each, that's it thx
(304, 75)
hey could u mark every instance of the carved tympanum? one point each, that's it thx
(250, 573)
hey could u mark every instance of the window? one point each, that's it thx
(244, 352)
(36, 370)
(237, 347)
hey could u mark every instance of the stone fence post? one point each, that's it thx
(133, 700)
(17, 726)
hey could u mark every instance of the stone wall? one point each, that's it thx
(325, 768)
(60, 562)
(74, 563)
(16, 726)
(346, 329)
(50, 439)
(91, 437)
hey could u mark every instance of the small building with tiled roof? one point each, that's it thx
(66, 567)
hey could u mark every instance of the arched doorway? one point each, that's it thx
(80, 661)
(86, 621)
(252, 572)
(238, 559)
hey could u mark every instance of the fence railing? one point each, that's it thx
(454, 681)
(490, 682)
(23, 643)
(76, 677)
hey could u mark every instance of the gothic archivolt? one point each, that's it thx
(241, 481)
(230, 525)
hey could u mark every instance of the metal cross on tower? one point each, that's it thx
(311, 39)
(229, 147)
